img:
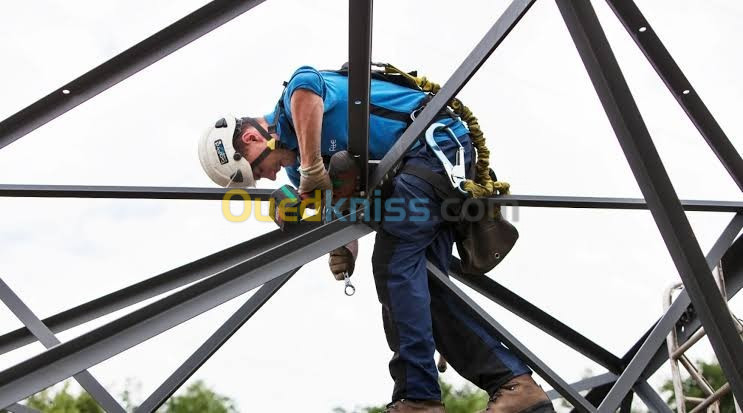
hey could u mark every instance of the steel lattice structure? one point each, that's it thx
(269, 261)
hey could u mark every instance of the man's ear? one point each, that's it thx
(251, 135)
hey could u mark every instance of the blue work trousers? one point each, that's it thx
(419, 314)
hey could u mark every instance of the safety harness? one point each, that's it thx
(482, 241)
(481, 182)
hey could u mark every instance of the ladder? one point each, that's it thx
(677, 356)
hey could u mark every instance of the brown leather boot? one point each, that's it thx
(520, 395)
(415, 406)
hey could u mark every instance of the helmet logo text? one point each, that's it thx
(221, 153)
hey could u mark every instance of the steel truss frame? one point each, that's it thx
(270, 260)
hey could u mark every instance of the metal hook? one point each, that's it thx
(455, 173)
(349, 289)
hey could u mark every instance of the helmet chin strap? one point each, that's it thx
(271, 142)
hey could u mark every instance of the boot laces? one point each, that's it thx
(391, 406)
(499, 392)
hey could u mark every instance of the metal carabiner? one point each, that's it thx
(456, 172)
(349, 289)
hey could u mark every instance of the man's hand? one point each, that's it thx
(343, 260)
(313, 178)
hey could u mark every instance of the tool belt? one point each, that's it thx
(483, 238)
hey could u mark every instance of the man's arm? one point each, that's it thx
(307, 113)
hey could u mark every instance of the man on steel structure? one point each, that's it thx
(310, 124)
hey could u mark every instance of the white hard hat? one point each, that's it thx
(219, 158)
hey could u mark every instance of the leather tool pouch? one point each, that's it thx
(484, 243)
(483, 238)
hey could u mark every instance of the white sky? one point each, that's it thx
(602, 272)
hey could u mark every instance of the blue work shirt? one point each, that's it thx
(332, 87)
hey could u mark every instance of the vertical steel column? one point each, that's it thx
(512, 343)
(48, 340)
(657, 189)
(359, 83)
(648, 41)
(212, 344)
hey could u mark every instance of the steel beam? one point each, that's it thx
(733, 268)
(679, 86)
(360, 19)
(91, 348)
(725, 242)
(600, 385)
(120, 67)
(211, 345)
(626, 406)
(595, 395)
(162, 283)
(152, 287)
(586, 384)
(538, 201)
(511, 342)
(537, 317)
(657, 189)
(128, 192)
(542, 201)
(732, 264)
(19, 408)
(48, 340)
(556, 329)
(505, 23)
(651, 398)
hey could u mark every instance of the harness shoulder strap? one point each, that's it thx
(392, 78)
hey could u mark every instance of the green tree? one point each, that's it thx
(198, 398)
(713, 373)
(464, 400)
(63, 401)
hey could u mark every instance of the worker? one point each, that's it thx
(310, 124)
